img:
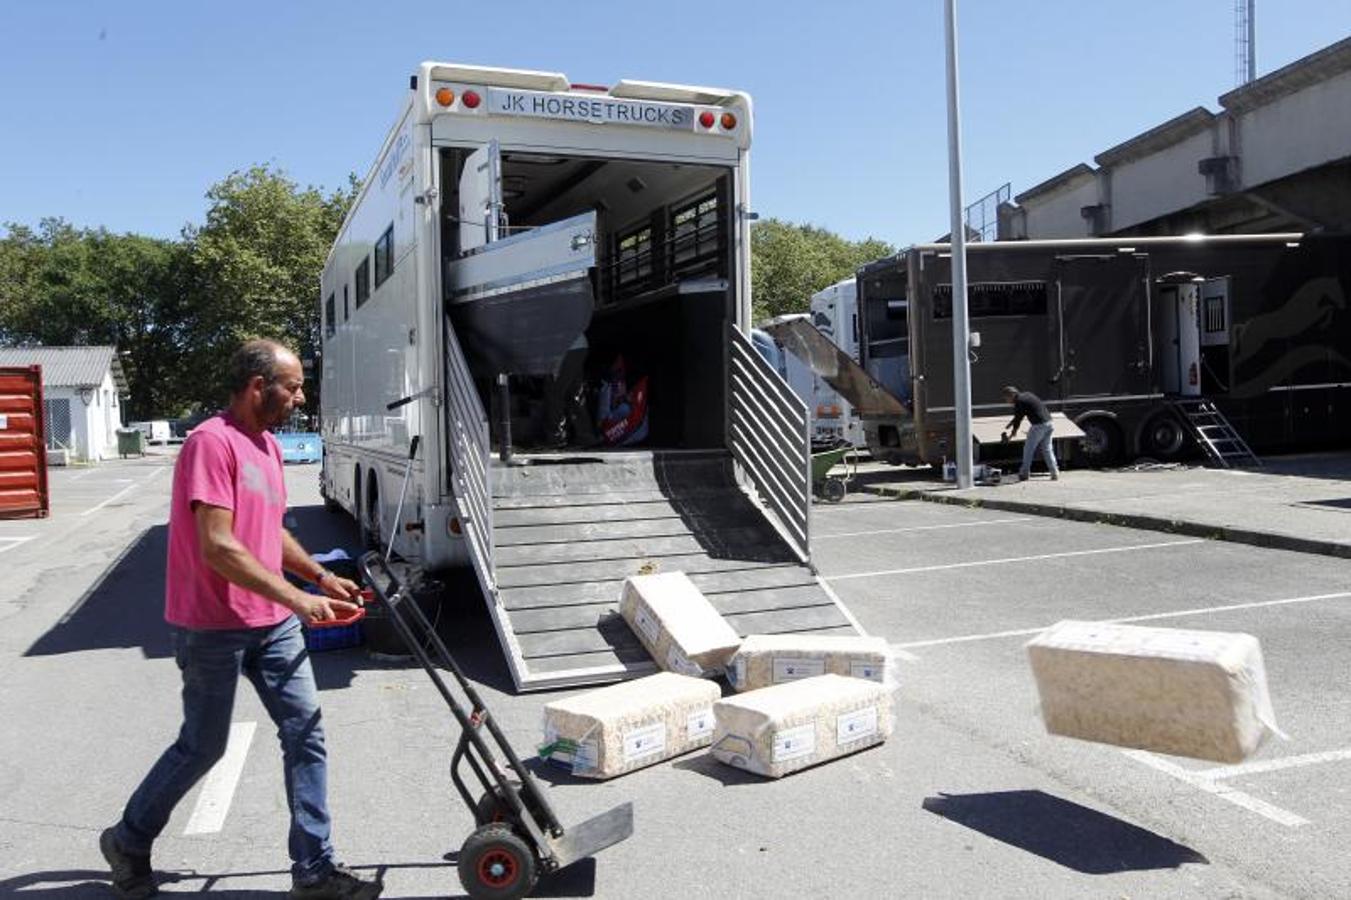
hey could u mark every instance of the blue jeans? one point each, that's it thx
(1038, 438)
(274, 659)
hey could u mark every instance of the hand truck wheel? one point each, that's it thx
(495, 863)
(492, 809)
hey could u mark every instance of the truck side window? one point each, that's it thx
(384, 256)
(363, 280)
(329, 325)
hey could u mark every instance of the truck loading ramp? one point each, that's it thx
(569, 529)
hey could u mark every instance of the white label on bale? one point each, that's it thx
(855, 726)
(679, 662)
(792, 743)
(644, 741)
(4, 421)
(700, 724)
(870, 671)
(646, 624)
(787, 668)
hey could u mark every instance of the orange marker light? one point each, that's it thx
(445, 96)
(471, 99)
(728, 121)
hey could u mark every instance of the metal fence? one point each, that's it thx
(770, 437)
(469, 456)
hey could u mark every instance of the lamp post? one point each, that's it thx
(961, 364)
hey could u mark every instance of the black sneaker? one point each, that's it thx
(339, 884)
(131, 874)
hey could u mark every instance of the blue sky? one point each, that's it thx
(123, 114)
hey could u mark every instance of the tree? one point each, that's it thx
(791, 262)
(63, 286)
(257, 260)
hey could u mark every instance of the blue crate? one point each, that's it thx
(337, 637)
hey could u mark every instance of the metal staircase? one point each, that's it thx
(1222, 445)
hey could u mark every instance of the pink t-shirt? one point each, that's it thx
(224, 466)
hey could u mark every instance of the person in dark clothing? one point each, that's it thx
(1028, 405)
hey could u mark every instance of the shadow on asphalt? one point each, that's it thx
(1063, 832)
(124, 608)
(729, 776)
(577, 880)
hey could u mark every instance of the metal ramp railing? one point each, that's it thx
(1217, 438)
(769, 434)
(469, 454)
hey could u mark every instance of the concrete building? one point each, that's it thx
(82, 390)
(1277, 157)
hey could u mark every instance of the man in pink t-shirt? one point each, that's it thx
(232, 612)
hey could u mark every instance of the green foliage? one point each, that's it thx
(258, 258)
(791, 262)
(176, 309)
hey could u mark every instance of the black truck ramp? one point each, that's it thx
(568, 530)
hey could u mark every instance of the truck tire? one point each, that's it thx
(1163, 437)
(1102, 441)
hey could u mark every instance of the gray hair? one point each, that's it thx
(255, 357)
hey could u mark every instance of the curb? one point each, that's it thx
(1125, 520)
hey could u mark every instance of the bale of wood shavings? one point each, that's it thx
(676, 623)
(787, 727)
(616, 729)
(766, 659)
(1200, 694)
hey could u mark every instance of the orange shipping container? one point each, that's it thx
(23, 443)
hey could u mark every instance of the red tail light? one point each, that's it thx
(471, 99)
(1191, 374)
(728, 121)
(706, 119)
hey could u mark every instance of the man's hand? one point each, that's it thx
(311, 608)
(339, 588)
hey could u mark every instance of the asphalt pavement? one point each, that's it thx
(970, 798)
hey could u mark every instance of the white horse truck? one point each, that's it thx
(549, 284)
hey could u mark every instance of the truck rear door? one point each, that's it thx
(1100, 326)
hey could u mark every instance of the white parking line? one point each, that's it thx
(125, 490)
(218, 790)
(1275, 765)
(1015, 559)
(827, 537)
(1200, 611)
(1223, 791)
(9, 543)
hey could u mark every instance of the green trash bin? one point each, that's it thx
(129, 441)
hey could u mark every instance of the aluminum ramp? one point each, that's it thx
(836, 368)
(568, 530)
(1223, 446)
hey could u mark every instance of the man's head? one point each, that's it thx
(1010, 393)
(266, 383)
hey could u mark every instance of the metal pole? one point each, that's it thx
(1252, 39)
(961, 363)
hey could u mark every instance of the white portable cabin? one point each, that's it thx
(517, 238)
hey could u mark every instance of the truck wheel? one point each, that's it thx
(1101, 443)
(368, 517)
(496, 864)
(1163, 437)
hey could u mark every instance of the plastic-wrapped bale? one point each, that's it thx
(787, 727)
(1201, 694)
(616, 729)
(766, 659)
(677, 624)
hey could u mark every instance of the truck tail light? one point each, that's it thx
(728, 121)
(1191, 374)
(471, 99)
(706, 119)
(453, 526)
(445, 97)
